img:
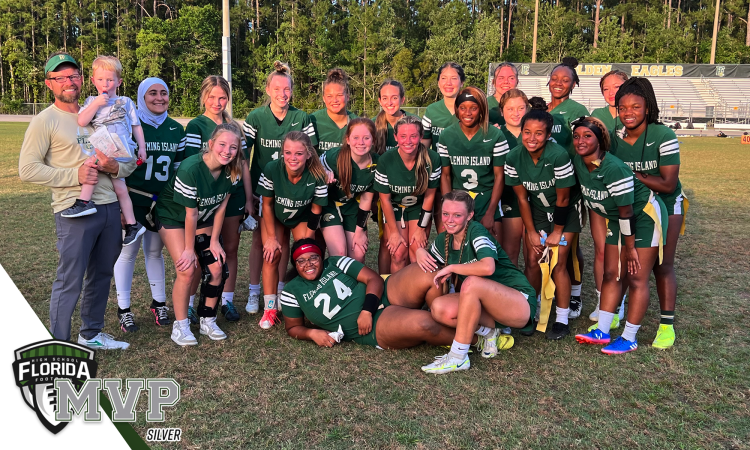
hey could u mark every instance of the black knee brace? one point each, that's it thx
(205, 259)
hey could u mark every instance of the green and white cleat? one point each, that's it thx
(446, 363)
(103, 341)
(664, 337)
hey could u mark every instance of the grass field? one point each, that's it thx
(262, 389)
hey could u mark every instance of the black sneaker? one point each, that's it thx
(230, 312)
(575, 307)
(127, 320)
(79, 209)
(159, 310)
(132, 233)
(558, 331)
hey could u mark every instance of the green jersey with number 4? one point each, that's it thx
(292, 202)
(329, 134)
(392, 177)
(610, 185)
(436, 119)
(553, 170)
(471, 162)
(165, 148)
(335, 299)
(192, 186)
(264, 134)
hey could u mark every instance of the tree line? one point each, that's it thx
(180, 41)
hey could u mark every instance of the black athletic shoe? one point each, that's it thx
(127, 320)
(132, 232)
(230, 312)
(79, 209)
(575, 307)
(558, 331)
(159, 310)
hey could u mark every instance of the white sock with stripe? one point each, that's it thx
(575, 290)
(459, 350)
(192, 300)
(483, 331)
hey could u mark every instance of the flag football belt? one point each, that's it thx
(153, 197)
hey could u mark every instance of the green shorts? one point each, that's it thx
(481, 203)
(674, 202)
(408, 214)
(236, 204)
(371, 338)
(344, 215)
(646, 231)
(509, 203)
(543, 220)
(140, 215)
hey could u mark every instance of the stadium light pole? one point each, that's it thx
(716, 32)
(226, 62)
(536, 25)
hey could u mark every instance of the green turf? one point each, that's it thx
(262, 389)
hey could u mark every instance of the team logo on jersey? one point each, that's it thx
(328, 217)
(720, 71)
(38, 365)
(524, 70)
(609, 232)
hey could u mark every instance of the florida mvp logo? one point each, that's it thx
(38, 365)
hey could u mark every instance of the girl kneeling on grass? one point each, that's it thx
(294, 193)
(190, 213)
(491, 291)
(635, 233)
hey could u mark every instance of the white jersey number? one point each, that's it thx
(292, 211)
(473, 180)
(342, 292)
(163, 174)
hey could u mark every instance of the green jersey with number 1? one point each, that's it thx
(165, 148)
(292, 202)
(471, 162)
(335, 299)
(392, 177)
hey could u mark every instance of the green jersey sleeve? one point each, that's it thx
(620, 184)
(309, 129)
(669, 149)
(185, 189)
(321, 193)
(438, 247)
(381, 180)
(436, 171)
(442, 149)
(500, 151)
(564, 172)
(482, 244)
(511, 174)
(250, 128)
(347, 265)
(193, 139)
(288, 299)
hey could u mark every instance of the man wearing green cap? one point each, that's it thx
(56, 152)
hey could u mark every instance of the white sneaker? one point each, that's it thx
(576, 305)
(446, 363)
(253, 302)
(182, 336)
(594, 316)
(103, 341)
(210, 329)
(496, 340)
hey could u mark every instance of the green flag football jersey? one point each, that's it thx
(562, 135)
(390, 138)
(436, 119)
(292, 202)
(165, 148)
(328, 133)
(512, 140)
(192, 186)
(335, 299)
(264, 134)
(362, 179)
(656, 147)
(610, 185)
(197, 133)
(495, 116)
(471, 162)
(605, 116)
(479, 244)
(553, 170)
(392, 177)
(570, 110)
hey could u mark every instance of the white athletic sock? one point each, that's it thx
(483, 331)
(598, 295)
(562, 315)
(226, 297)
(630, 331)
(270, 301)
(192, 300)
(575, 290)
(605, 321)
(255, 288)
(281, 286)
(123, 299)
(458, 350)
(185, 323)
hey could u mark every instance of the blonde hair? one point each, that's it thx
(510, 94)
(208, 84)
(423, 166)
(381, 123)
(107, 63)
(343, 161)
(465, 198)
(280, 69)
(313, 163)
(234, 168)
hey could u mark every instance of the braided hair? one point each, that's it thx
(641, 87)
(465, 198)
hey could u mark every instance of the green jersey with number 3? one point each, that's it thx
(335, 299)
(328, 133)
(292, 202)
(436, 119)
(471, 162)
(610, 185)
(392, 177)
(553, 170)
(165, 148)
(264, 134)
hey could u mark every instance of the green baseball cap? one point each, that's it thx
(56, 60)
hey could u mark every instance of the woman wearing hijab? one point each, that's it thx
(165, 144)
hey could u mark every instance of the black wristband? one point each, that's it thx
(313, 221)
(424, 218)
(362, 217)
(372, 303)
(561, 215)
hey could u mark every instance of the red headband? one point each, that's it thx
(305, 249)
